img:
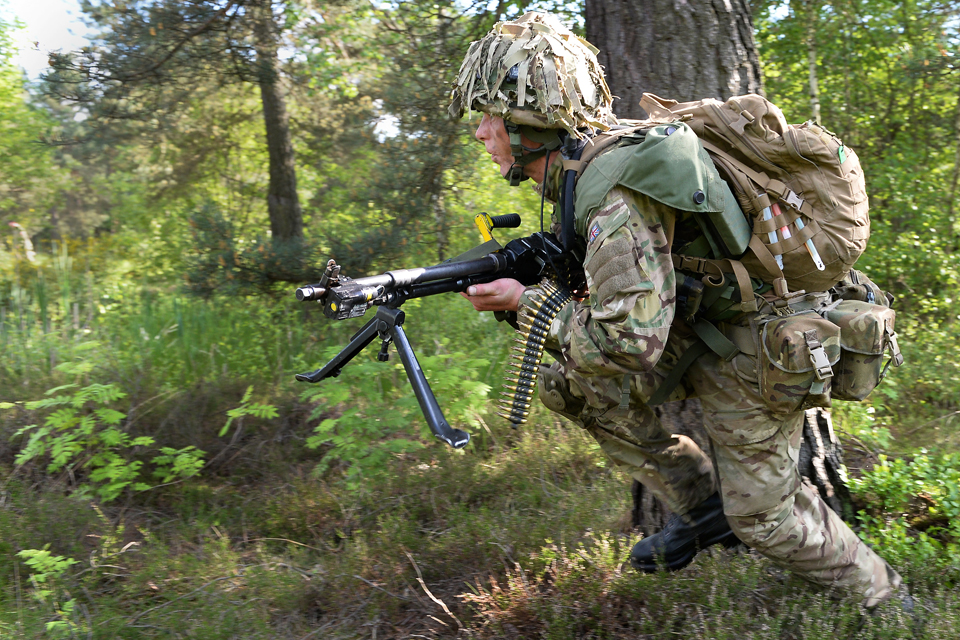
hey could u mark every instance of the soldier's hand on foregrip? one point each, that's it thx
(499, 295)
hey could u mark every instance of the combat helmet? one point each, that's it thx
(542, 79)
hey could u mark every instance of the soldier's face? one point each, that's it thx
(493, 135)
(496, 140)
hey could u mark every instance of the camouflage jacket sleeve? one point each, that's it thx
(623, 326)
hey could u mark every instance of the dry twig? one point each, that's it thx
(429, 594)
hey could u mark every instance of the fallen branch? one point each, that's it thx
(429, 594)
(379, 588)
(927, 424)
(300, 544)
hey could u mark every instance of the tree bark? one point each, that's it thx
(680, 49)
(813, 10)
(688, 50)
(286, 217)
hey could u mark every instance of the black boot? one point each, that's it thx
(674, 547)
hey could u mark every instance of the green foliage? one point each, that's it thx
(888, 73)
(365, 418)
(47, 573)
(225, 265)
(27, 169)
(176, 464)
(912, 511)
(247, 408)
(860, 420)
(82, 435)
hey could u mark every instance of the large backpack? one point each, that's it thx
(802, 172)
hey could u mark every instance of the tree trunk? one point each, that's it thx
(687, 50)
(953, 183)
(812, 11)
(286, 218)
(680, 49)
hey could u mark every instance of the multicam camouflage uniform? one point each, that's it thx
(627, 333)
(541, 79)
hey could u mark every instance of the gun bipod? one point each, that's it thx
(387, 324)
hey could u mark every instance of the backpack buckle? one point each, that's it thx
(793, 200)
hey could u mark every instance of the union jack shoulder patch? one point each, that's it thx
(594, 232)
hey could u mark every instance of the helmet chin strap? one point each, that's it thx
(523, 155)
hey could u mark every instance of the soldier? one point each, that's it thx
(540, 90)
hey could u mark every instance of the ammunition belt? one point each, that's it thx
(520, 380)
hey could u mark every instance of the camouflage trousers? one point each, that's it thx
(754, 464)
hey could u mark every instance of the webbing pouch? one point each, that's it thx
(798, 354)
(866, 333)
(857, 286)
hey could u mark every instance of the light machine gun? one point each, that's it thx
(527, 260)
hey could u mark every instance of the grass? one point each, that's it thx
(527, 543)
(522, 535)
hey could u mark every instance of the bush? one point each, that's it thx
(366, 417)
(913, 511)
(83, 437)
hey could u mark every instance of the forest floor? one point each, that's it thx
(526, 536)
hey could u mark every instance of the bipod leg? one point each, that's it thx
(393, 319)
(358, 343)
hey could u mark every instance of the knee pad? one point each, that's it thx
(555, 394)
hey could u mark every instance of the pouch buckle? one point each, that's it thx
(896, 358)
(688, 263)
(818, 356)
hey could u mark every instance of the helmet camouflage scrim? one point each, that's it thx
(534, 71)
(540, 78)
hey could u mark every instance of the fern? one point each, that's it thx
(82, 434)
(248, 408)
(47, 579)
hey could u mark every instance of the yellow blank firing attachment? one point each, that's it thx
(486, 223)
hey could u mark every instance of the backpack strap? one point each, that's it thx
(768, 262)
(600, 143)
(764, 252)
(714, 275)
(768, 184)
(709, 338)
(676, 374)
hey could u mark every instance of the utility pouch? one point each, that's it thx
(866, 332)
(727, 231)
(797, 356)
(857, 286)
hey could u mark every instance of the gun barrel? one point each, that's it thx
(391, 280)
(490, 263)
(311, 292)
